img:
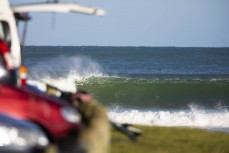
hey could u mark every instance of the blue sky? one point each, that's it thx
(181, 23)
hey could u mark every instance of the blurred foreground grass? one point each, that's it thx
(171, 140)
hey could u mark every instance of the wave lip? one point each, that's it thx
(64, 72)
(80, 67)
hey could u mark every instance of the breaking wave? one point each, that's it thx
(192, 117)
(64, 72)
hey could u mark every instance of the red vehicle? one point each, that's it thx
(56, 117)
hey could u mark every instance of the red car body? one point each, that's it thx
(41, 109)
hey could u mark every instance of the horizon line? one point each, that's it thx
(120, 46)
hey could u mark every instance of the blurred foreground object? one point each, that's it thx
(18, 136)
(94, 131)
(94, 136)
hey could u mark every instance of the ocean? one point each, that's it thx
(162, 86)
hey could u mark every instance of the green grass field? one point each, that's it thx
(171, 140)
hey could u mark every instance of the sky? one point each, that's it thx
(180, 23)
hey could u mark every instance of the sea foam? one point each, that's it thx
(193, 117)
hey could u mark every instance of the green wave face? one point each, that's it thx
(157, 94)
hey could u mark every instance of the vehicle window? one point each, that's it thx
(5, 32)
(1, 60)
(2, 63)
(2, 31)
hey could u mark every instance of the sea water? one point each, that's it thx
(164, 86)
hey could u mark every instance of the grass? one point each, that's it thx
(171, 140)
